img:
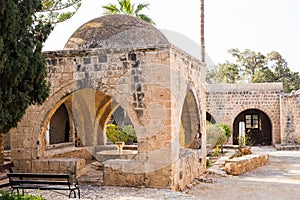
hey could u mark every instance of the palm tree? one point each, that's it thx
(126, 7)
(202, 31)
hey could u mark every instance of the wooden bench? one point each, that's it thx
(43, 182)
(4, 169)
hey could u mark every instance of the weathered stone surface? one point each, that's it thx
(115, 31)
(246, 163)
(120, 61)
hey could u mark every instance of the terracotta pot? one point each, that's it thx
(245, 150)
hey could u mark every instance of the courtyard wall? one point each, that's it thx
(226, 101)
(290, 119)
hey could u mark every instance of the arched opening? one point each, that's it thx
(59, 127)
(210, 118)
(190, 122)
(119, 127)
(256, 124)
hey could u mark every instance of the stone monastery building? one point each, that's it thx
(118, 61)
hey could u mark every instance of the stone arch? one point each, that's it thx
(257, 124)
(190, 121)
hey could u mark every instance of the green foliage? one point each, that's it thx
(22, 64)
(226, 129)
(125, 133)
(6, 195)
(216, 150)
(126, 7)
(208, 162)
(55, 11)
(251, 66)
(245, 140)
(215, 135)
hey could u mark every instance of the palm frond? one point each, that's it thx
(146, 18)
(110, 9)
(141, 7)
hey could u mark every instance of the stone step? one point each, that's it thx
(90, 180)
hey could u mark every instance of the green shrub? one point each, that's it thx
(226, 129)
(6, 195)
(215, 135)
(124, 133)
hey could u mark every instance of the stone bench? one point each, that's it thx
(239, 165)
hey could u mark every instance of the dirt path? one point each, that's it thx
(279, 180)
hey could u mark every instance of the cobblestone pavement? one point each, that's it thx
(279, 180)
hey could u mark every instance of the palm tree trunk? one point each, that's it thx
(202, 31)
(1, 148)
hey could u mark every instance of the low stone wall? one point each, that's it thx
(173, 176)
(246, 163)
(285, 147)
(70, 152)
(74, 166)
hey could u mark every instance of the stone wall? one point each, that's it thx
(226, 101)
(73, 166)
(175, 176)
(290, 119)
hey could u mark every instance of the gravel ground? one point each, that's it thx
(279, 180)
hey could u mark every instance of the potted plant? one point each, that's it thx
(245, 144)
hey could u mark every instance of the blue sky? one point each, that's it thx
(260, 25)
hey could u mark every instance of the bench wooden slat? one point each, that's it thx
(40, 182)
(34, 175)
(42, 187)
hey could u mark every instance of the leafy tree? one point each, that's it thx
(251, 66)
(56, 11)
(126, 7)
(22, 64)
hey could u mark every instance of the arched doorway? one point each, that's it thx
(59, 127)
(257, 126)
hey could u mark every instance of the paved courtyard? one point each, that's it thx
(279, 180)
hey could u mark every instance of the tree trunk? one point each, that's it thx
(202, 31)
(1, 148)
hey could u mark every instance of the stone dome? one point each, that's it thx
(115, 31)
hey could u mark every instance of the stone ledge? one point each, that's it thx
(246, 163)
(73, 166)
(287, 147)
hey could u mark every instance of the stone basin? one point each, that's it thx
(103, 156)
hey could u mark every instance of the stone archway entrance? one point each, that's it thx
(257, 126)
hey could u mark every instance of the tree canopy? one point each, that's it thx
(22, 64)
(126, 7)
(55, 11)
(251, 66)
